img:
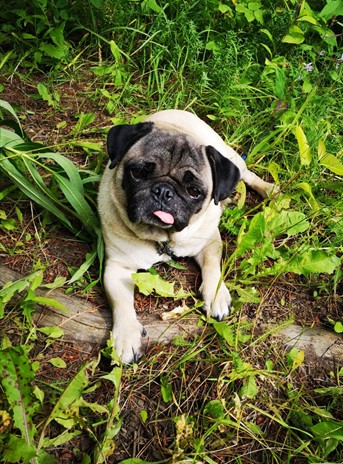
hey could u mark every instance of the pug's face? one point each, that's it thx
(167, 178)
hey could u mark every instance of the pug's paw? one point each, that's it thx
(271, 190)
(128, 341)
(219, 305)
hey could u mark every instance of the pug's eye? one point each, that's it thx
(193, 192)
(139, 173)
(142, 171)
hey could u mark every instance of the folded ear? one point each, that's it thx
(121, 138)
(225, 174)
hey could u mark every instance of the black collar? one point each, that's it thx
(163, 248)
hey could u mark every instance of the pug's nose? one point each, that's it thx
(163, 192)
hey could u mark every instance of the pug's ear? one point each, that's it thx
(121, 138)
(225, 174)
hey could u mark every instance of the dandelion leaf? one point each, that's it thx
(17, 450)
(148, 283)
(285, 222)
(16, 378)
(311, 262)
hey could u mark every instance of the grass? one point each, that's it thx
(269, 79)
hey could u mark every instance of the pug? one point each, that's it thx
(161, 197)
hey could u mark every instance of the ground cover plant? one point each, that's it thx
(268, 77)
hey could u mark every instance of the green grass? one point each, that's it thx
(268, 78)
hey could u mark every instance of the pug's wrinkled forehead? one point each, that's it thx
(172, 152)
(172, 149)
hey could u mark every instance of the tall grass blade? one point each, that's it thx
(9, 138)
(6, 106)
(68, 167)
(31, 192)
(78, 202)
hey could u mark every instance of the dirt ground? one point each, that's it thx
(289, 296)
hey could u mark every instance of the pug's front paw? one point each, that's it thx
(219, 305)
(128, 341)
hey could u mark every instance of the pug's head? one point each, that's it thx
(167, 178)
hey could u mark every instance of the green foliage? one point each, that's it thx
(53, 182)
(36, 33)
(148, 283)
(29, 285)
(20, 439)
(268, 77)
(258, 243)
(17, 376)
(226, 409)
(52, 98)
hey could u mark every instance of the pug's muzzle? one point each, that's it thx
(164, 194)
(160, 201)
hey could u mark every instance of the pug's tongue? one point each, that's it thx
(164, 217)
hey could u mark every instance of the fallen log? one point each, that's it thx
(89, 325)
(320, 342)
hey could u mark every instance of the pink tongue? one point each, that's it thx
(165, 217)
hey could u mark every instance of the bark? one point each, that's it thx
(89, 324)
